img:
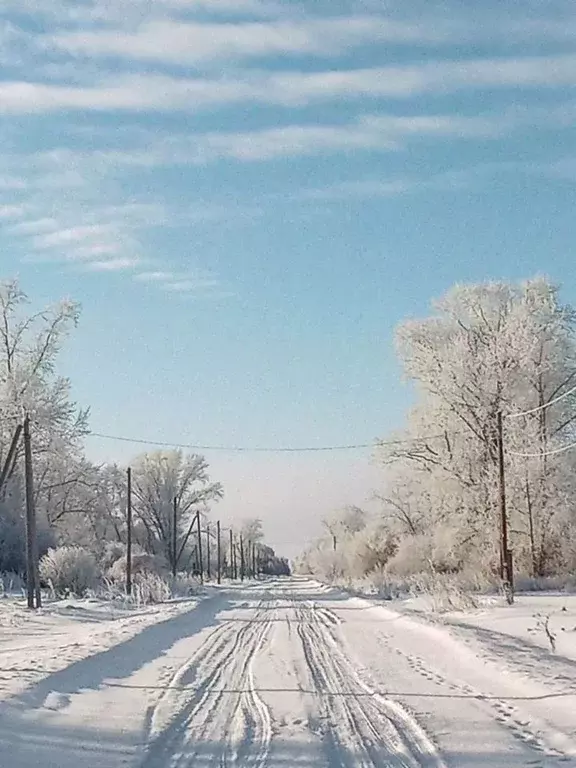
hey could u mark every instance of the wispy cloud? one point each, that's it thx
(73, 196)
(199, 283)
(384, 132)
(12, 183)
(72, 235)
(94, 237)
(447, 181)
(113, 265)
(154, 277)
(11, 211)
(191, 43)
(380, 132)
(161, 92)
(34, 226)
(64, 12)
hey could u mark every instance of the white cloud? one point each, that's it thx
(12, 211)
(72, 235)
(163, 93)
(189, 285)
(196, 283)
(382, 132)
(129, 94)
(95, 250)
(432, 77)
(368, 132)
(67, 13)
(154, 277)
(112, 265)
(450, 180)
(34, 226)
(193, 42)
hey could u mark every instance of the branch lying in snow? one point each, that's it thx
(543, 623)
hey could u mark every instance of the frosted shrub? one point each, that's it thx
(444, 593)
(113, 551)
(142, 563)
(69, 570)
(413, 556)
(185, 585)
(151, 588)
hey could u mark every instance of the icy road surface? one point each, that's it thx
(286, 674)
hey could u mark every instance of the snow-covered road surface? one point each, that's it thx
(289, 673)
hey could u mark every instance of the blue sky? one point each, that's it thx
(248, 196)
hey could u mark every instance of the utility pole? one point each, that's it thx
(231, 555)
(32, 576)
(200, 561)
(506, 569)
(8, 464)
(219, 552)
(242, 563)
(174, 536)
(208, 568)
(129, 532)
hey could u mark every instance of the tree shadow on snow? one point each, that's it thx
(43, 745)
(126, 658)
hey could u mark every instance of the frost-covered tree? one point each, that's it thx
(158, 479)
(29, 384)
(251, 529)
(487, 348)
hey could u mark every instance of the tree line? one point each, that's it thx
(81, 506)
(486, 349)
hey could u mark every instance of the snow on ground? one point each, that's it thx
(36, 644)
(286, 673)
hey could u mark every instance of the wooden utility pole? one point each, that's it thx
(506, 568)
(129, 532)
(10, 458)
(200, 559)
(174, 536)
(208, 567)
(219, 551)
(231, 555)
(32, 575)
(242, 563)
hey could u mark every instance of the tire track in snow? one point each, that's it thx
(210, 713)
(362, 729)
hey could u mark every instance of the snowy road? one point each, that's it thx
(289, 673)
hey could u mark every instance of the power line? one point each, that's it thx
(553, 452)
(541, 407)
(281, 449)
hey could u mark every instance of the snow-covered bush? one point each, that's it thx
(184, 585)
(142, 563)
(414, 555)
(444, 593)
(69, 570)
(151, 588)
